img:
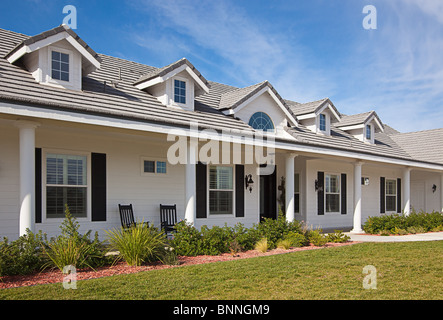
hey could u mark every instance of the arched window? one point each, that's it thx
(261, 121)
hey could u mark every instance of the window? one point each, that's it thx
(60, 66)
(153, 166)
(179, 91)
(297, 193)
(332, 191)
(368, 132)
(221, 190)
(66, 184)
(391, 195)
(261, 121)
(322, 122)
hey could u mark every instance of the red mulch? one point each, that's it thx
(55, 276)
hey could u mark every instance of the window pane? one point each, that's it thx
(65, 170)
(179, 91)
(149, 166)
(391, 187)
(220, 178)
(64, 76)
(60, 66)
(391, 203)
(64, 57)
(322, 122)
(297, 183)
(55, 55)
(161, 167)
(55, 74)
(58, 197)
(220, 202)
(261, 121)
(332, 203)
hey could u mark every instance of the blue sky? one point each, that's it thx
(308, 50)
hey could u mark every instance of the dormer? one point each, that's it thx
(57, 57)
(260, 106)
(317, 116)
(175, 85)
(362, 126)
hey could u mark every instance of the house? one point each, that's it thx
(95, 131)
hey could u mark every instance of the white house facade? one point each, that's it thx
(93, 131)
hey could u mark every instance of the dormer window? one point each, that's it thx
(368, 133)
(179, 91)
(60, 66)
(261, 121)
(322, 122)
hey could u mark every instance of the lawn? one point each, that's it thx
(412, 270)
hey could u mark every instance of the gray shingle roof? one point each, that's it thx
(422, 145)
(110, 92)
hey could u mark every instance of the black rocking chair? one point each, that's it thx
(127, 216)
(168, 217)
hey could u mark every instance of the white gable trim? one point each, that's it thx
(158, 79)
(258, 94)
(374, 119)
(51, 40)
(328, 106)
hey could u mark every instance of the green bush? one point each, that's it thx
(317, 238)
(187, 240)
(22, 256)
(73, 248)
(296, 239)
(338, 237)
(138, 244)
(396, 222)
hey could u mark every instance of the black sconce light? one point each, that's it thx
(249, 182)
(318, 187)
(434, 188)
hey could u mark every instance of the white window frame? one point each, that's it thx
(215, 215)
(368, 127)
(335, 193)
(319, 122)
(71, 67)
(186, 91)
(45, 152)
(390, 195)
(156, 161)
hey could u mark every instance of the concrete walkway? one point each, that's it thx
(432, 236)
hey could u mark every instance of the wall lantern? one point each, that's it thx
(434, 188)
(249, 182)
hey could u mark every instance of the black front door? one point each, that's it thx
(268, 196)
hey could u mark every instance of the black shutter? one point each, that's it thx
(344, 207)
(38, 185)
(382, 195)
(239, 191)
(98, 181)
(320, 193)
(398, 195)
(201, 189)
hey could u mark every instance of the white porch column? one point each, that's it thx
(190, 182)
(357, 198)
(407, 191)
(289, 195)
(27, 175)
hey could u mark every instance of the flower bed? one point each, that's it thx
(55, 276)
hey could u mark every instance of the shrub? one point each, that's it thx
(296, 239)
(187, 240)
(22, 256)
(262, 245)
(338, 237)
(284, 244)
(276, 229)
(416, 229)
(138, 244)
(426, 221)
(73, 248)
(317, 238)
(168, 256)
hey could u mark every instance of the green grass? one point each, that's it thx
(410, 270)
